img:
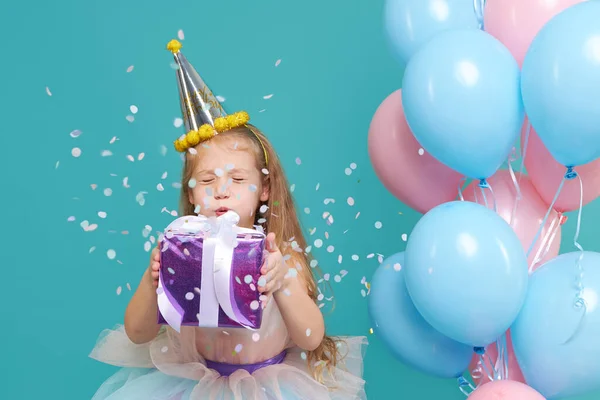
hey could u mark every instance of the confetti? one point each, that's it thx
(350, 201)
(330, 249)
(267, 97)
(248, 279)
(189, 296)
(180, 34)
(298, 161)
(48, 92)
(192, 183)
(355, 257)
(238, 348)
(163, 150)
(141, 156)
(220, 99)
(318, 243)
(76, 133)
(91, 250)
(252, 188)
(348, 171)
(111, 254)
(133, 109)
(262, 281)
(56, 165)
(119, 289)
(353, 165)
(265, 171)
(308, 331)
(254, 305)
(126, 182)
(378, 225)
(263, 209)
(307, 210)
(404, 237)
(293, 187)
(106, 153)
(337, 278)
(397, 267)
(130, 118)
(76, 152)
(102, 214)
(255, 337)
(219, 172)
(278, 62)
(130, 68)
(108, 192)
(164, 349)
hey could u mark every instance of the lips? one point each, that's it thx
(221, 210)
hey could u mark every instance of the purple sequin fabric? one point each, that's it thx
(181, 274)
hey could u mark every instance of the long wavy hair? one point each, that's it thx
(281, 218)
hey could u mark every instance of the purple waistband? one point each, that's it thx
(225, 369)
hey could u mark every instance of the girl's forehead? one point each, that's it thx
(225, 156)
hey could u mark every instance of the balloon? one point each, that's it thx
(466, 272)
(553, 360)
(411, 23)
(516, 22)
(505, 390)
(462, 101)
(413, 176)
(529, 214)
(480, 374)
(404, 331)
(561, 84)
(546, 175)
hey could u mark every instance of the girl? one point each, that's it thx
(230, 165)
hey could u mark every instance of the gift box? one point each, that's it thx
(209, 273)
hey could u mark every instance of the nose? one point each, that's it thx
(222, 191)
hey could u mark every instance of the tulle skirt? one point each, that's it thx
(164, 370)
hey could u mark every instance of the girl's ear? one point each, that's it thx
(264, 195)
(190, 197)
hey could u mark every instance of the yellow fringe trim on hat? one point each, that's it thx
(207, 131)
(174, 46)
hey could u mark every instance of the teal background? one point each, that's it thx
(335, 70)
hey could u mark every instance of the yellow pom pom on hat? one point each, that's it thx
(203, 115)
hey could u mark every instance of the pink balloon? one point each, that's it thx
(505, 390)
(529, 214)
(480, 374)
(546, 174)
(516, 22)
(413, 176)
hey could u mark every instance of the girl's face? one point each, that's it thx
(226, 178)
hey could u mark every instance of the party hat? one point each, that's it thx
(203, 115)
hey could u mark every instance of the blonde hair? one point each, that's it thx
(281, 219)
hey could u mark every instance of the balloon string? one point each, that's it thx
(580, 302)
(517, 188)
(479, 7)
(547, 241)
(524, 149)
(465, 386)
(570, 174)
(480, 351)
(460, 192)
(483, 184)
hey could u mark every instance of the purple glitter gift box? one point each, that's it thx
(209, 273)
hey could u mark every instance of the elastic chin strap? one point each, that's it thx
(259, 141)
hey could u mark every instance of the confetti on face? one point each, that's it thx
(111, 254)
(308, 332)
(252, 188)
(255, 337)
(192, 183)
(76, 152)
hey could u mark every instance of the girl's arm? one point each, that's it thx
(301, 315)
(141, 314)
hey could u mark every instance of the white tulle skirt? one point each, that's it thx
(164, 370)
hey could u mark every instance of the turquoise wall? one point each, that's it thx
(60, 288)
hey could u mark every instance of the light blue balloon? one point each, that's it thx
(551, 363)
(411, 23)
(404, 331)
(461, 95)
(561, 84)
(466, 272)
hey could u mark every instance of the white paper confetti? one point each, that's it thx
(130, 68)
(76, 133)
(378, 225)
(267, 97)
(180, 34)
(76, 152)
(111, 254)
(404, 237)
(48, 92)
(133, 108)
(278, 62)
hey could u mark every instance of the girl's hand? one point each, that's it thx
(273, 271)
(154, 266)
